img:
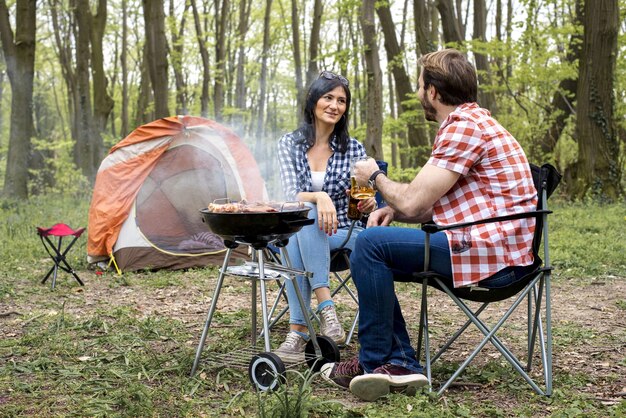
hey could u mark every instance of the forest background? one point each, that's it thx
(77, 76)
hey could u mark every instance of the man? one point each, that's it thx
(476, 170)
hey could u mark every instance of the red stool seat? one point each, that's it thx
(56, 251)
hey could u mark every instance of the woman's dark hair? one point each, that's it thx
(451, 74)
(325, 83)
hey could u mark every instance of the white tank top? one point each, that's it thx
(317, 180)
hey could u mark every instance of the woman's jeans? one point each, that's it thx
(381, 256)
(309, 250)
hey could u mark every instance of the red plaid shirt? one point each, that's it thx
(495, 180)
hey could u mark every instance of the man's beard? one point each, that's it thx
(430, 113)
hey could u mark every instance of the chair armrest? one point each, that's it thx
(431, 228)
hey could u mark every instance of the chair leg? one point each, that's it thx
(490, 336)
(456, 335)
(343, 284)
(547, 359)
(422, 334)
(355, 322)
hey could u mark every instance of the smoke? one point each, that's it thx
(264, 149)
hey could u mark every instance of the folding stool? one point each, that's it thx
(56, 250)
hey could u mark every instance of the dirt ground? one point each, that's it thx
(589, 323)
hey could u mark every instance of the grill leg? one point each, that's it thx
(207, 324)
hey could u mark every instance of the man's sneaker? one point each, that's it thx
(330, 325)
(341, 374)
(386, 379)
(292, 349)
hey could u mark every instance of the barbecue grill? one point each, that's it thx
(258, 230)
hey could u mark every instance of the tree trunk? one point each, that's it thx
(88, 144)
(221, 20)
(19, 53)
(2, 76)
(178, 44)
(297, 57)
(358, 93)
(421, 21)
(565, 97)
(204, 54)
(240, 84)
(374, 113)
(392, 113)
(65, 47)
(449, 22)
(263, 79)
(418, 138)
(102, 102)
(485, 98)
(143, 112)
(313, 68)
(124, 65)
(597, 171)
(154, 19)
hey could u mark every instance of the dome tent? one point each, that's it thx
(144, 212)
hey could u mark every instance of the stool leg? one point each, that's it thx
(48, 275)
(56, 263)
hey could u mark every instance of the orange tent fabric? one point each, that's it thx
(129, 162)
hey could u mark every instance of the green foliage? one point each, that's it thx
(588, 239)
(293, 398)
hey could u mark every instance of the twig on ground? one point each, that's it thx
(32, 319)
(3, 314)
(469, 384)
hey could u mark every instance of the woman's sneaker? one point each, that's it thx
(386, 379)
(292, 349)
(330, 325)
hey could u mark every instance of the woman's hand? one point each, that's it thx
(368, 205)
(326, 213)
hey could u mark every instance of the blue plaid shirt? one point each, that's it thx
(295, 173)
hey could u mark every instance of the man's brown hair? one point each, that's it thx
(452, 75)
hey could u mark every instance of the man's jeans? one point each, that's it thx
(385, 254)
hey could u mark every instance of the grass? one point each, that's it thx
(123, 346)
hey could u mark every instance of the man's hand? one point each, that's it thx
(381, 217)
(363, 170)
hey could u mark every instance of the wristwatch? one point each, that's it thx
(372, 179)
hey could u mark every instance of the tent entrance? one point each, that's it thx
(185, 179)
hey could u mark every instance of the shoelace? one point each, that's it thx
(329, 318)
(348, 368)
(291, 340)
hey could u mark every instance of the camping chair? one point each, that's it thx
(339, 263)
(56, 250)
(532, 287)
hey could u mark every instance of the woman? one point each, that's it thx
(315, 169)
